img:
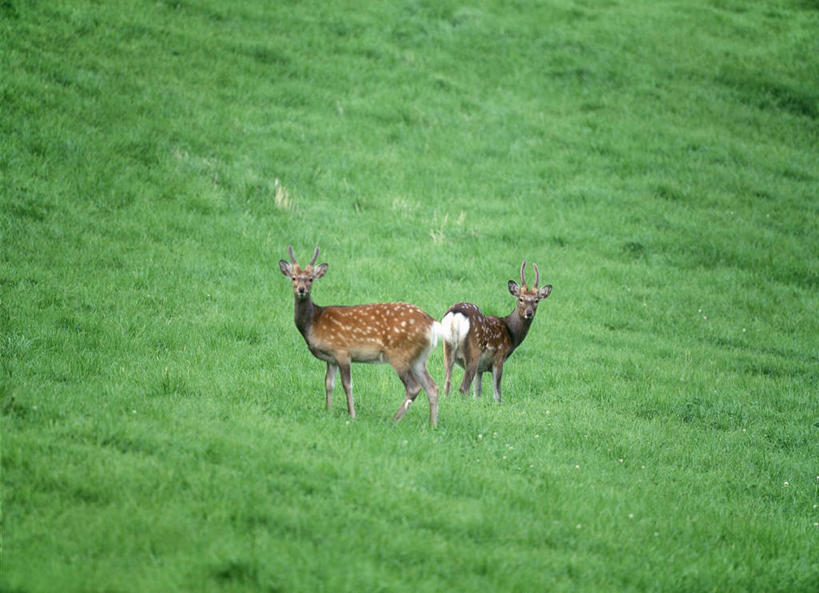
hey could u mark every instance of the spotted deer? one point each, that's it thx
(399, 334)
(480, 343)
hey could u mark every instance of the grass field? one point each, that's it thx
(162, 420)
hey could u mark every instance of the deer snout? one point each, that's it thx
(529, 313)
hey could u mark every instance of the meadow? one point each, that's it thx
(162, 422)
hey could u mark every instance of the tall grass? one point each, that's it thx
(162, 421)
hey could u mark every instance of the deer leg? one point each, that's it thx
(425, 379)
(477, 384)
(470, 372)
(413, 389)
(449, 360)
(330, 382)
(497, 373)
(347, 383)
(471, 357)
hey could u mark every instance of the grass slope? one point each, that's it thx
(162, 422)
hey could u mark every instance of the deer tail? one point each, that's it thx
(436, 331)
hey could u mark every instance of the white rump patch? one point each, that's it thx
(454, 327)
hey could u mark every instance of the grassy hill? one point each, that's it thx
(162, 420)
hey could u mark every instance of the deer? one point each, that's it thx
(399, 334)
(480, 343)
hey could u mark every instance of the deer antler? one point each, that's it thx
(537, 275)
(315, 256)
(292, 259)
(522, 279)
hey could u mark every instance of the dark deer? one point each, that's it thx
(480, 343)
(396, 333)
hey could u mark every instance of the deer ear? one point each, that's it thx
(285, 268)
(514, 288)
(319, 271)
(544, 291)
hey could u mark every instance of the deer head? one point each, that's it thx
(302, 278)
(528, 298)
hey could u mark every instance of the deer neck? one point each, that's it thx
(518, 327)
(305, 313)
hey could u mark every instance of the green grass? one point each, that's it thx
(162, 420)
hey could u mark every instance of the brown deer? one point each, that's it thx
(480, 343)
(396, 333)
